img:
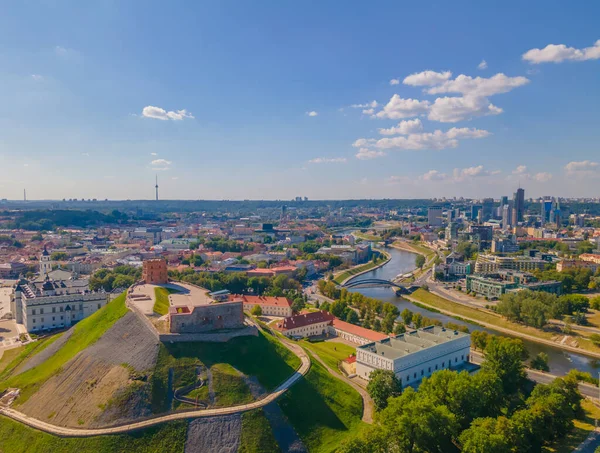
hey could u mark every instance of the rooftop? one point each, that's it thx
(411, 342)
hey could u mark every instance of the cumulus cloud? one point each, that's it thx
(160, 164)
(327, 160)
(582, 168)
(398, 108)
(403, 128)
(312, 113)
(395, 82)
(427, 78)
(557, 53)
(161, 114)
(461, 174)
(37, 77)
(368, 154)
(520, 170)
(454, 109)
(436, 140)
(482, 65)
(542, 177)
(365, 105)
(479, 86)
(434, 175)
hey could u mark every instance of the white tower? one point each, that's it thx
(45, 262)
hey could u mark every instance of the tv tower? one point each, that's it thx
(156, 187)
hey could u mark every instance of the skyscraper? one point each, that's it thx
(506, 216)
(488, 209)
(518, 206)
(434, 216)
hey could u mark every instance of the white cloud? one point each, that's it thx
(154, 154)
(471, 172)
(520, 170)
(427, 78)
(542, 177)
(403, 128)
(85, 154)
(582, 168)
(312, 113)
(480, 86)
(395, 82)
(392, 180)
(175, 178)
(161, 114)
(367, 154)
(160, 164)
(434, 175)
(398, 108)
(37, 77)
(61, 51)
(436, 140)
(371, 104)
(368, 111)
(557, 53)
(482, 65)
(454, 109)
(327, 160)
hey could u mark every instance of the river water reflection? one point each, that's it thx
(402, 262)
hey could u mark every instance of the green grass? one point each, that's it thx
(257, 436)
(323, 410)
(330, 352)
(201, 393)
(18, 438)
(161, 302)
(229, 387)
(262, 356)
(85, 333)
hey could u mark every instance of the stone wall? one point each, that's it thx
(206, 318)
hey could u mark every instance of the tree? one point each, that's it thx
(595, 338)
(256, 310)
(504, 357)
(377, 325)
(399, 329)
(487, 435)
(338, 309)
(479, 339)
(388, 323)
(298, 304)
(407, 316)
(382, 385)
(540, 362)
(59, 256)
(420, 261)
(417, 320)
(352, 317)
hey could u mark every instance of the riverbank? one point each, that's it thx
(348, 274)
(412, 248)
(497, 323)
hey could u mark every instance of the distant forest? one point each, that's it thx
(50, 219)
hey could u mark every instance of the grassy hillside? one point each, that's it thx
(12, 358)
(263, 356)
(85, 333)
(257, 436)
(18, 438)
(323, 410)
(229, 387)
(161, 303)
(331, 352)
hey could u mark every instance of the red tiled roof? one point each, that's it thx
(260, 272)
(351, 359)
(294, 322)
(263, 300)
(358, 330)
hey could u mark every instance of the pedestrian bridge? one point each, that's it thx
(371, 282)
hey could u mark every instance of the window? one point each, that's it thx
(80, 307)
(33, 311)
(415, 376)
(422, 372)
(42, 321)
(436, 367)
(53, 309)
(407, 378)
(34, 320)
(99, 306)
(462, 357)
(61, 318)
(41, 312)
(62, 309)
(443, 364)
(429, 370)
(53, 318)
(455, 359)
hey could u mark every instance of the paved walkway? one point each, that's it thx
(125, 428)
(590, 444)
(368, 405)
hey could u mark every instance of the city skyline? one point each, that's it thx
(340, 105)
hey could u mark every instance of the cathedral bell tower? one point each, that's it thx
(45, 262)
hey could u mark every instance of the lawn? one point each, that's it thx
(18, 438)
(256, 434)
(262, 356)
(12, 358)
(161, 302)
(331, 352)
(229, 387)
(463, 311)
(323, 410)
(85, 333)
(580, 432)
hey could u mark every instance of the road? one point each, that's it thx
(129, 427)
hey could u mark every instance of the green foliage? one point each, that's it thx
(479, 339)
(504, 357)
(50, 219)
(119, 277)
(256, 310)
(383, 384)
(18, 438)
(573, 279)
(85, 333)
(420, 261)
(59, 256)
(161, 302)
(540, 362)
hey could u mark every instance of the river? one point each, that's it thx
(403, 262)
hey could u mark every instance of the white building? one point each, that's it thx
(270, 305)
(434, 216)
(415, 355)
(306, 325)
(45, 262)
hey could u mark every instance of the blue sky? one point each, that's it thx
(236, 100)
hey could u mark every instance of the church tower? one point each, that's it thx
(45, 262)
